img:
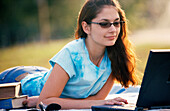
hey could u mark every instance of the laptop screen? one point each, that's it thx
(155, 87)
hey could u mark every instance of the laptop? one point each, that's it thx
(155, 88)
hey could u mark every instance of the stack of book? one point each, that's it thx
(10, 96)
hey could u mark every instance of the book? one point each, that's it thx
(13, 102)
(10, 90)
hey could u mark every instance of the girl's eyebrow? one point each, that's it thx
(117, 19)
(109, 20)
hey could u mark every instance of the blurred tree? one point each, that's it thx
(23, 21)
(44, 24)
(63, 17)
(18, 21)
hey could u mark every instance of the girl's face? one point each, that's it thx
(105, 35)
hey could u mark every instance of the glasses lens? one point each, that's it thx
(116, 24)
(108, 24)
(105, 24)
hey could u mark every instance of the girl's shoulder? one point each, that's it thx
(75, 45)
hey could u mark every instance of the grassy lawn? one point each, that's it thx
(38, 54)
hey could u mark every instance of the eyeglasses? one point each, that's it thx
(108, 24)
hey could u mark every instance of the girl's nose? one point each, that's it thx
(112, 28)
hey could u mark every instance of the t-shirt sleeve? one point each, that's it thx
(64, 59)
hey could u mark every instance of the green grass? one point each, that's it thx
(38, 54)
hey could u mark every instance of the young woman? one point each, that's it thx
(84, 71)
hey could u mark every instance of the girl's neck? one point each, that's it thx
(96, 52)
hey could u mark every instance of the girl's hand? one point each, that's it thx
(31, 101)
(117, 101)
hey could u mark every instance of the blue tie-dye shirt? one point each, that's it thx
(86, 79)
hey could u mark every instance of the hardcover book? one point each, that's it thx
(12, 102)
(10, 90)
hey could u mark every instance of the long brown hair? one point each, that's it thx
(121, 54)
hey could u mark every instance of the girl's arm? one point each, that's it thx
(102, 94)
(56, 83)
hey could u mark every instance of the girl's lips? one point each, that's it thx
(111, 37)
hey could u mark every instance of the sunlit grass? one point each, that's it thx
(38, 54)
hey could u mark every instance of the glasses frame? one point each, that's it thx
(107, 26)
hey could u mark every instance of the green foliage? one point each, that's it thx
(63, 17)
(19, 21)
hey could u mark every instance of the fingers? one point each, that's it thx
(113, 103)
(121, 100)
(30, 101)
(117, 101)
(25, 103)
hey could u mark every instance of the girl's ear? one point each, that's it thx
(86, 27)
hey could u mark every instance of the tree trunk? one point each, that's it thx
(44, 24)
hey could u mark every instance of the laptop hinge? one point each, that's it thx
(153, 107)
(160, 107)
(140, 109)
